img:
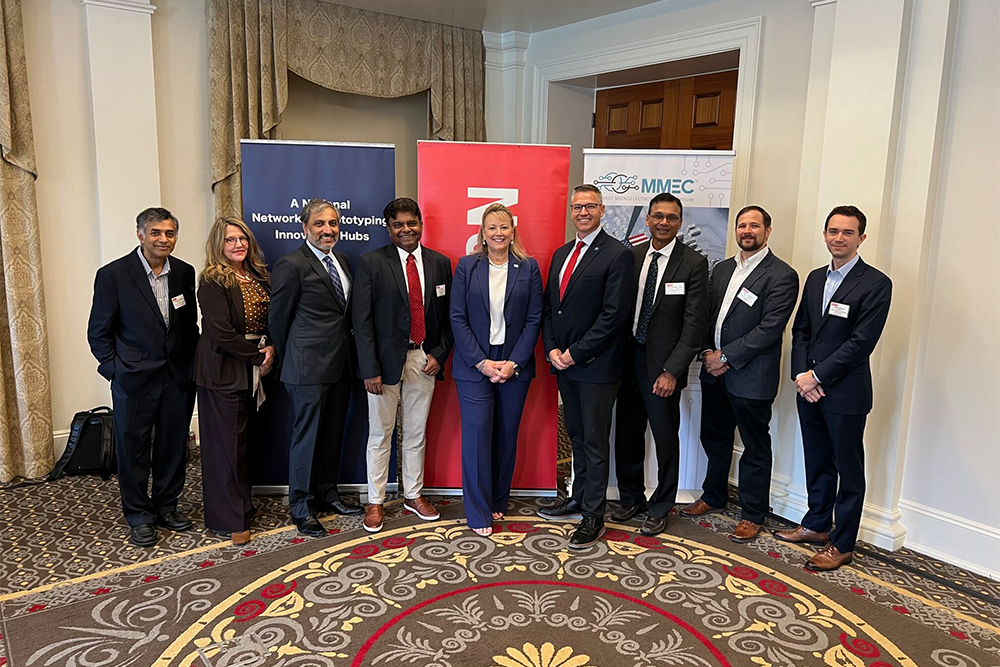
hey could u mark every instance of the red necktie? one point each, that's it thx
(417, 330)
(569, 268)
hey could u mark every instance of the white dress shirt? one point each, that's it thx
(345, 281)
(743, 269)
(498, 292)
(419, 259)
(587, 241)
(661, 265)
(159, 284)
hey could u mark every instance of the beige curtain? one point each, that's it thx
(25, 402)
(255, 42)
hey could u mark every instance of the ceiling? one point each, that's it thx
(498, 15)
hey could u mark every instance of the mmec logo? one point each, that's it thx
(620, 184)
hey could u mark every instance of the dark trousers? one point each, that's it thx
(144, 450)
(637, 405)
(834, 452)
(491, 415)
(223, 418)
(587, 407)
(320, 411)
(721, 414)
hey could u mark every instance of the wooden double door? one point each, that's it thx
(696, 112)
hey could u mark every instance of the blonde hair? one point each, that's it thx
(516, 247)
(217, 267)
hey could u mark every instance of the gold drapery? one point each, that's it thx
(25, 399)
(254, 43)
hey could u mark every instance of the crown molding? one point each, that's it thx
(820, 3)
(124, 5)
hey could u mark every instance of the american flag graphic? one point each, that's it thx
(636, 239)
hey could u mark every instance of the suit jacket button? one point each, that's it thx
(558, 312)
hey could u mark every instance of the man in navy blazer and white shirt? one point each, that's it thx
(752, 296)
(840, 319)
(584, 310)
(143, 331)
(669, 317)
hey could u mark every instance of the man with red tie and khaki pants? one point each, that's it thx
(403, 335)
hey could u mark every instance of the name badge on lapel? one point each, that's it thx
(178, 301)
(672, 289)
(439, 290)
(839, 309)
(747, 297)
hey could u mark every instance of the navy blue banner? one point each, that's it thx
(278, 178)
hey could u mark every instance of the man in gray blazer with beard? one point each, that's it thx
(752, 295)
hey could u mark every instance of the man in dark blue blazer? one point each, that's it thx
(752, 295)
(587, 300)
(840, 319)
(666, 329)
(143, 331)
(309, 319)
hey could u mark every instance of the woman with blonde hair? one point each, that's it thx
(232, 356)
(496, 315)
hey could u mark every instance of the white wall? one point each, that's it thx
(949, 500)
(55, 34)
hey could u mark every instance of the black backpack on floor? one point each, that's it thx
(91, 446)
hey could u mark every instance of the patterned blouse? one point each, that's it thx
(255, 302)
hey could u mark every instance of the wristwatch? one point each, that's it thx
(722, 357)
(517, 369)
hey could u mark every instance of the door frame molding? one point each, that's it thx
(743, 35)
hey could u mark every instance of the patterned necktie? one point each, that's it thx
(648, 296)
(417, 330)
(569, 268)
(338, 286)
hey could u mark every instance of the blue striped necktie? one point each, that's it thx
(335, 277)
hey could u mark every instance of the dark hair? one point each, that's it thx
(314, 206)
(592, 189)
(765, 214)
(154, 214)
(401, 205)
(666, 198)
(850, 212)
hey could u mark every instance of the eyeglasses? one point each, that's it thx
(590, 208)
(237, 240)
(660, 217)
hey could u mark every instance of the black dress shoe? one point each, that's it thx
(174, 521)
(143, 535)
(653, 525)
(310, 526)
(346, 507)
(587, 533)
(567, 509)
(625, 513)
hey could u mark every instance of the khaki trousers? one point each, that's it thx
(416, 390)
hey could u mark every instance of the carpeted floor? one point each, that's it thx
(434, 594)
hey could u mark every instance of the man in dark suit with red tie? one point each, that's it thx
(669, 318)
(840, 319)
(309, 319)
(587, 300)
(403, 334)
(143, 331)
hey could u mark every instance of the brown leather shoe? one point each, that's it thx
(698, 508)
(802, 534)
(746, 531)
(374, 517)
(421, 507)
(241, 537)
(829, 558)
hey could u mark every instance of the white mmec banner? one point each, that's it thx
(702, 180)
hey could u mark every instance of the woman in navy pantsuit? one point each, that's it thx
(496, 314)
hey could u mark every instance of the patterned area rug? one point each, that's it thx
(427, 594)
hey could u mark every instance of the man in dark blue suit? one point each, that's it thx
(840, 319)
(587, 300)
(143, 331)
(752, 295)
(309, 319)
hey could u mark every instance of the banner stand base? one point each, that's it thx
(282, 490)
(520, 493)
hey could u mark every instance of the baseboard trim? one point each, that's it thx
(952, 538)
